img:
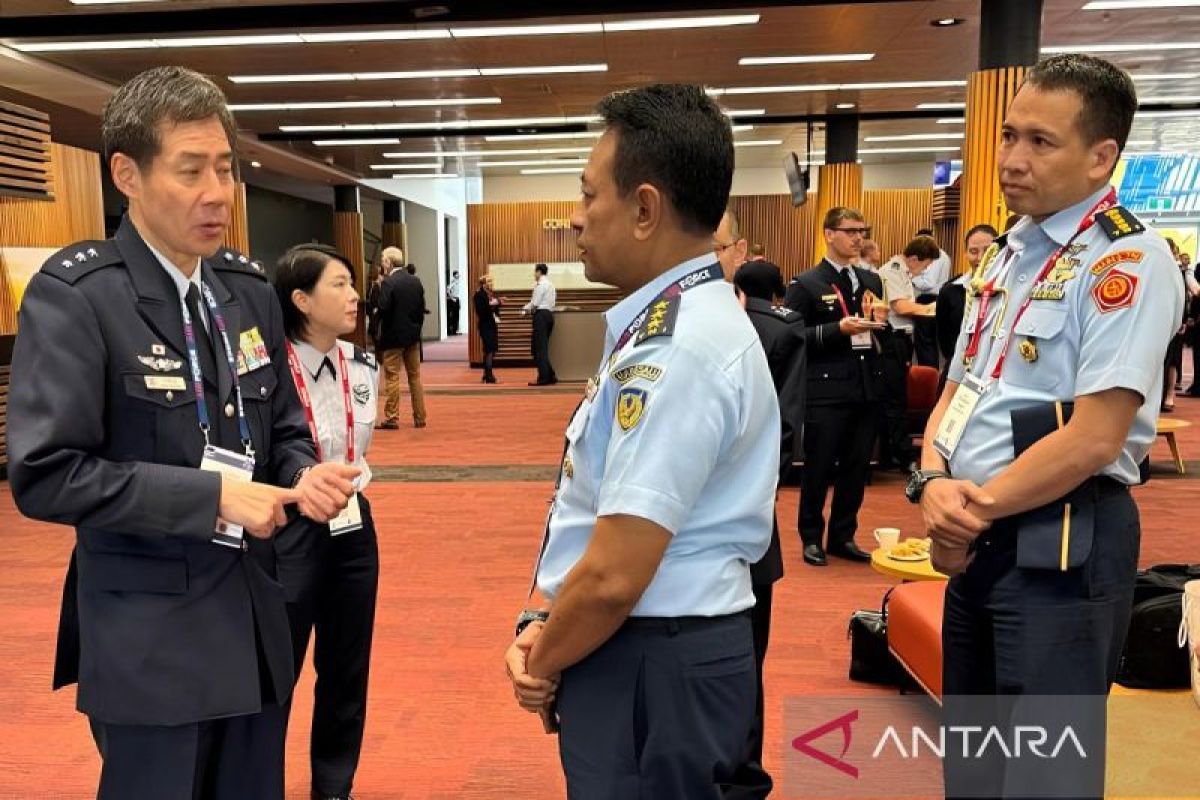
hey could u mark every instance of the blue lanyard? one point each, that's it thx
(189, 335)
(693, 279)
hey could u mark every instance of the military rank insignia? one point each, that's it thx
(647, 372)
(631, 403)
(252, 352)
(1118, 222)
(1115, 291)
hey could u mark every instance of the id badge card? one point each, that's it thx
(954, 421)
(239, 467)
(349, 520)
(861, 341)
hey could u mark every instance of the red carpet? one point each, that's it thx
(456, 562)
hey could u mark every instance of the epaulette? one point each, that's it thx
(227, 260)
(74, 261)
(363, 357)
(785, 313)
(660, 318)
(1117, 222)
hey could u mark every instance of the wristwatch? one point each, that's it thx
(530, 615)
(917, 480)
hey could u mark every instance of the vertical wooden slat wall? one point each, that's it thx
(895, 215)
(988, 94)
(837, 185)
(76, 213)
(237, 236)
(393, 235)
(348, 239)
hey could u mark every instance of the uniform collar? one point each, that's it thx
(760, 305)
(312, 358)
(1061, 227)
(181, 283)
(622, 314)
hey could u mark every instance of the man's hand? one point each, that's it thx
(947, 519)
(874, 308)
(324, 490)
(948, 559)
(532, 694)
(851, 326)
(257, 507)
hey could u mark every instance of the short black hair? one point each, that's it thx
(676, 138)
(925, 232)
(760, 279)
(981, 228)
(1107, 95)
(300, 268)
(541, 269)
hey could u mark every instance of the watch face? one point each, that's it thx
(912, 489)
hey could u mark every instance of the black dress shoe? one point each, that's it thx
(851, 552)
(813, 554)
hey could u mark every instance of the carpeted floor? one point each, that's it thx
(460, 506)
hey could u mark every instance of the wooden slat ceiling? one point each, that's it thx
(907, 48)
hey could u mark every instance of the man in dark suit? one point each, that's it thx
(151, 408)
(838, 303)
(402, 313)
(952, 298)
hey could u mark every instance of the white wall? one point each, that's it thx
(424, 250)
(746, 181)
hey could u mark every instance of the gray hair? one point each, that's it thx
(392, 257)
(130, 122)
(735, 227)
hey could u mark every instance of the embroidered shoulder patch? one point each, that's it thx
(1119, 257)
(630, 405)
(1117, 290)
(646, 371)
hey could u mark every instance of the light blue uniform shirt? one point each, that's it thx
(701, 460)
(1082, 348)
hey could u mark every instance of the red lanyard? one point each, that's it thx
(842, 300)
(1108, 201)
(306, 401)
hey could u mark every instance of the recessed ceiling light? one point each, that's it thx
(759, 143)
(845, 105)
(469, 72)
(526, 137)
(375, 36)
(353, 142)
(617, 26)
(1165, 76)
(520, 151)
(745, 112)
(836, 87)
(559, 69)
(1120, 48)
(914, 137)
(941, 106)
(877, 150)
(951, 121)
(231, 41)
(462, 124)
(552, 171)
(1118, 5)
(527, 30)
(1180, 114)
(429, 175)
(110, 2)
(341, 104)
(946, 22)
(534, 162)
(431, 165)
(1186, 98)
(758, 61)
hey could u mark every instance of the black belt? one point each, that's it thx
(678, 624)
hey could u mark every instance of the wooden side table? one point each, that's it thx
(1167, 428)
(904, 570)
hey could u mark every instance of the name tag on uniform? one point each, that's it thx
(165, 383)
(954, 421)
(861, 341)
(239, 467)
(349, 520)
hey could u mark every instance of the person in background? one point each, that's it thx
(758, 252)
(541, 305)
(1193, 334)
(402, 311)
(330, 571)
(953, 296)
(487, 319)
(375, 278)
(1173, 365)
(870, 257)
(453, 304)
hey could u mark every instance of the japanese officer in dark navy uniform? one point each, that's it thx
(172, 624)
(1050, 404)
(845, 374)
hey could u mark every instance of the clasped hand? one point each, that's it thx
(955, 514)
(535, 695)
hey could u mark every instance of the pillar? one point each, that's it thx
(840, 178)
(348, 239)
(1009, 42)
(237, 235)
(394, 233)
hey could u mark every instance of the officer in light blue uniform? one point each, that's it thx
(666, 490)
(1050, 404)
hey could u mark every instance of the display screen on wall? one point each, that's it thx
(1153, 182)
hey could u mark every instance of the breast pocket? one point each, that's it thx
(1038, 352)
(258, 395)
(150, 422)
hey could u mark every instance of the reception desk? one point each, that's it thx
(577, 344)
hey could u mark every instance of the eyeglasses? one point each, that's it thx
(854, 231)
(719, 248)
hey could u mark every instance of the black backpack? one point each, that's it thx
(1153, 658)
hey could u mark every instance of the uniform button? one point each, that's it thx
(262, 391)
(1021, 278)
(245, 545)
(170, 395)
(229, 409)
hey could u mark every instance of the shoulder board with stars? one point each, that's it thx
(73, 262)
(660, 318)
(363, 357)
(784, 312)
(1117, 222)
(227, 260)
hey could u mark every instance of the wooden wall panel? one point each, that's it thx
(76, 213)
(237, 236)
(348, 239)
(837, 185)
(24, 147)
(988, 94)
(895, 215)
